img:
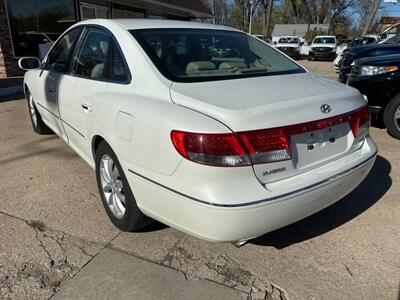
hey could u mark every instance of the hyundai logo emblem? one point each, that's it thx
(326, 108)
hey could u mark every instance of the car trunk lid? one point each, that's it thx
(276, 101)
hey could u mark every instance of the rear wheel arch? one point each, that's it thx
(96, 140)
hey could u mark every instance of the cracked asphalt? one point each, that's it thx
(52, 224)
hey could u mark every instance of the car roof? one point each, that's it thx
(132, 24)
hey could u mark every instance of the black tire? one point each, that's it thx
(310, 58)
(133, 219)
(392, 125)
(37, 123)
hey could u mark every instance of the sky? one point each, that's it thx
(392, 9)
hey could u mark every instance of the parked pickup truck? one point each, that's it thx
(290, 45)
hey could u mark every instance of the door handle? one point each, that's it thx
(87, 107)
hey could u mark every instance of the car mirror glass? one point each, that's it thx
(29, 63)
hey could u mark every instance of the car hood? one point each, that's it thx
(379, 60)
(268, 101)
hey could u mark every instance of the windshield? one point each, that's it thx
(288, 40)
(190, 55)
(393, 40)
(324, 40)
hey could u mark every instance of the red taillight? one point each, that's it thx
(210, 149)
(255, 147)
(267, 145)
(358, 119)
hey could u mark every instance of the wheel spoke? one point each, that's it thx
(397, 114)
(116, 204)
(110, 199)
(115, 173)
(105, 176)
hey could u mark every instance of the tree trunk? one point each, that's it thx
(269, 14)
(371, 17)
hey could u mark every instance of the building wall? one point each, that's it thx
(8, 65)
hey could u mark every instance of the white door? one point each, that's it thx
(56, 65)
(80, 90)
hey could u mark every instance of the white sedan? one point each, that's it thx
(202, 127)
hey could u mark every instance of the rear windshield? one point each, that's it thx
(288, 40)
(324, 40)
(191, 55)
(362, 41)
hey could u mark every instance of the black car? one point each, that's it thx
(391, 46)
(379, 79)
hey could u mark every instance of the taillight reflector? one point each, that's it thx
(257, 146)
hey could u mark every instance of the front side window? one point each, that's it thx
(90, 57)
(190, 55)
(58, 56)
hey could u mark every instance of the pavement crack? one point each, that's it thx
(348, 270)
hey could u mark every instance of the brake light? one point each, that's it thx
(210, 149)
(267, 145)
(358, 119)
(255, 147)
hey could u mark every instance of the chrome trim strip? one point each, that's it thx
(332, 178)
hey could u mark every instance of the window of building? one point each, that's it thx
(127, 12)
(92, 11)
(36, 22)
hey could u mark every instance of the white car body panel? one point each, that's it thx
(229, 101)
(214, 203)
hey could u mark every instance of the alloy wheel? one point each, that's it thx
(112, 186)
(397, 118)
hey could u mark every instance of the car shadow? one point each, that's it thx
(375, 185)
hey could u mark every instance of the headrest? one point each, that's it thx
(196, 66)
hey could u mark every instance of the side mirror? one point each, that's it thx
(275, 43)
(29, 63)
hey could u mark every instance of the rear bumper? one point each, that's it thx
(224, 223)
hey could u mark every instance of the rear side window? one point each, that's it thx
(118, 70)
(90, 57)
(57, 59)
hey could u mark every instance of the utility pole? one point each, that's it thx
(371, 16)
